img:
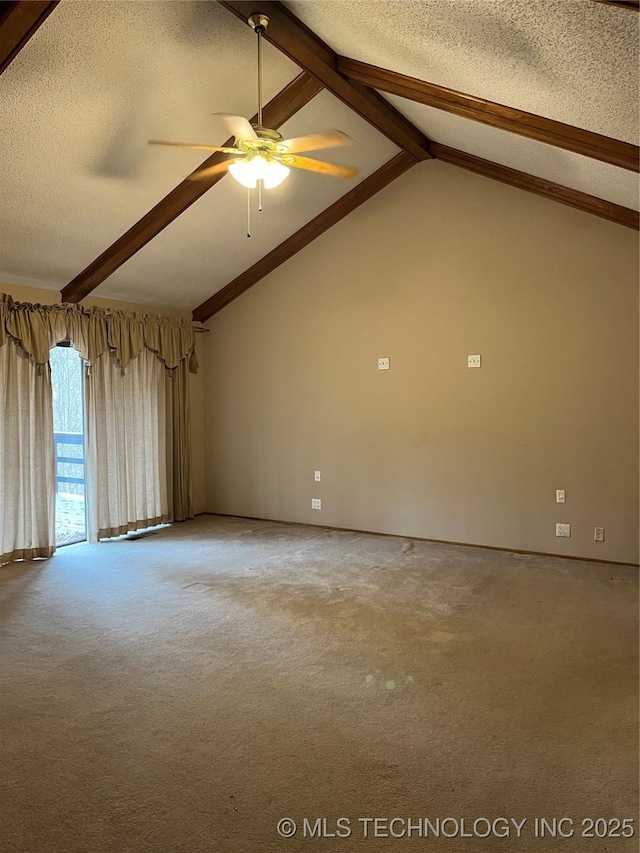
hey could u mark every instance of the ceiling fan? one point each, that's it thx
(261, 157)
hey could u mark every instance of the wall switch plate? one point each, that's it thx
(316, 476)
(474, 361)
(598, 534)
(383, 364)
(563, 530)
(560, 496)
(316, 503)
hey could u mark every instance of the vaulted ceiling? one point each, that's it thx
(85, 204)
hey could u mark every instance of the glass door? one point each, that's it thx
(67, 379)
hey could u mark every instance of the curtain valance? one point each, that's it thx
(94, 331)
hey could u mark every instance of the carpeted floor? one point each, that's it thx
(186, 691)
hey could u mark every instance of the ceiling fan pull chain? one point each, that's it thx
(260, 182)
(248, 212)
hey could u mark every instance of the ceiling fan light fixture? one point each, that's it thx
(276, 174)
(251, 170)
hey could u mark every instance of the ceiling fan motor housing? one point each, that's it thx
(267, 133)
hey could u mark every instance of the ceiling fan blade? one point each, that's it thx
(323, 168)
(211, 171)
(317, 141)
(194, 145)
(239, 126)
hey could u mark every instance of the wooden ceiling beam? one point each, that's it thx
(279, 110)
(18, 22)
(539, 186)
(302, 46)
(633, 5)
(574, 139)
(325, 220)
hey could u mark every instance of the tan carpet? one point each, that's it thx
(186, 691)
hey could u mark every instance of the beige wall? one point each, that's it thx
(439, 265)
(49, 297)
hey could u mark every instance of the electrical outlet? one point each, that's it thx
(383, 364)
(316, 476)
(316, 503)
(474, 361)
(598, 534)
(563, 530)
(559, 496)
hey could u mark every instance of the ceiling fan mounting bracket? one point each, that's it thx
(258, 22)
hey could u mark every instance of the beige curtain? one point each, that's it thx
(94, 331)
(138, 437)
(27, 473)
(126, 467)
(179, 441)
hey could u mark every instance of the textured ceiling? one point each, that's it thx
(100, 78)
(78, 105)
(571, 60)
